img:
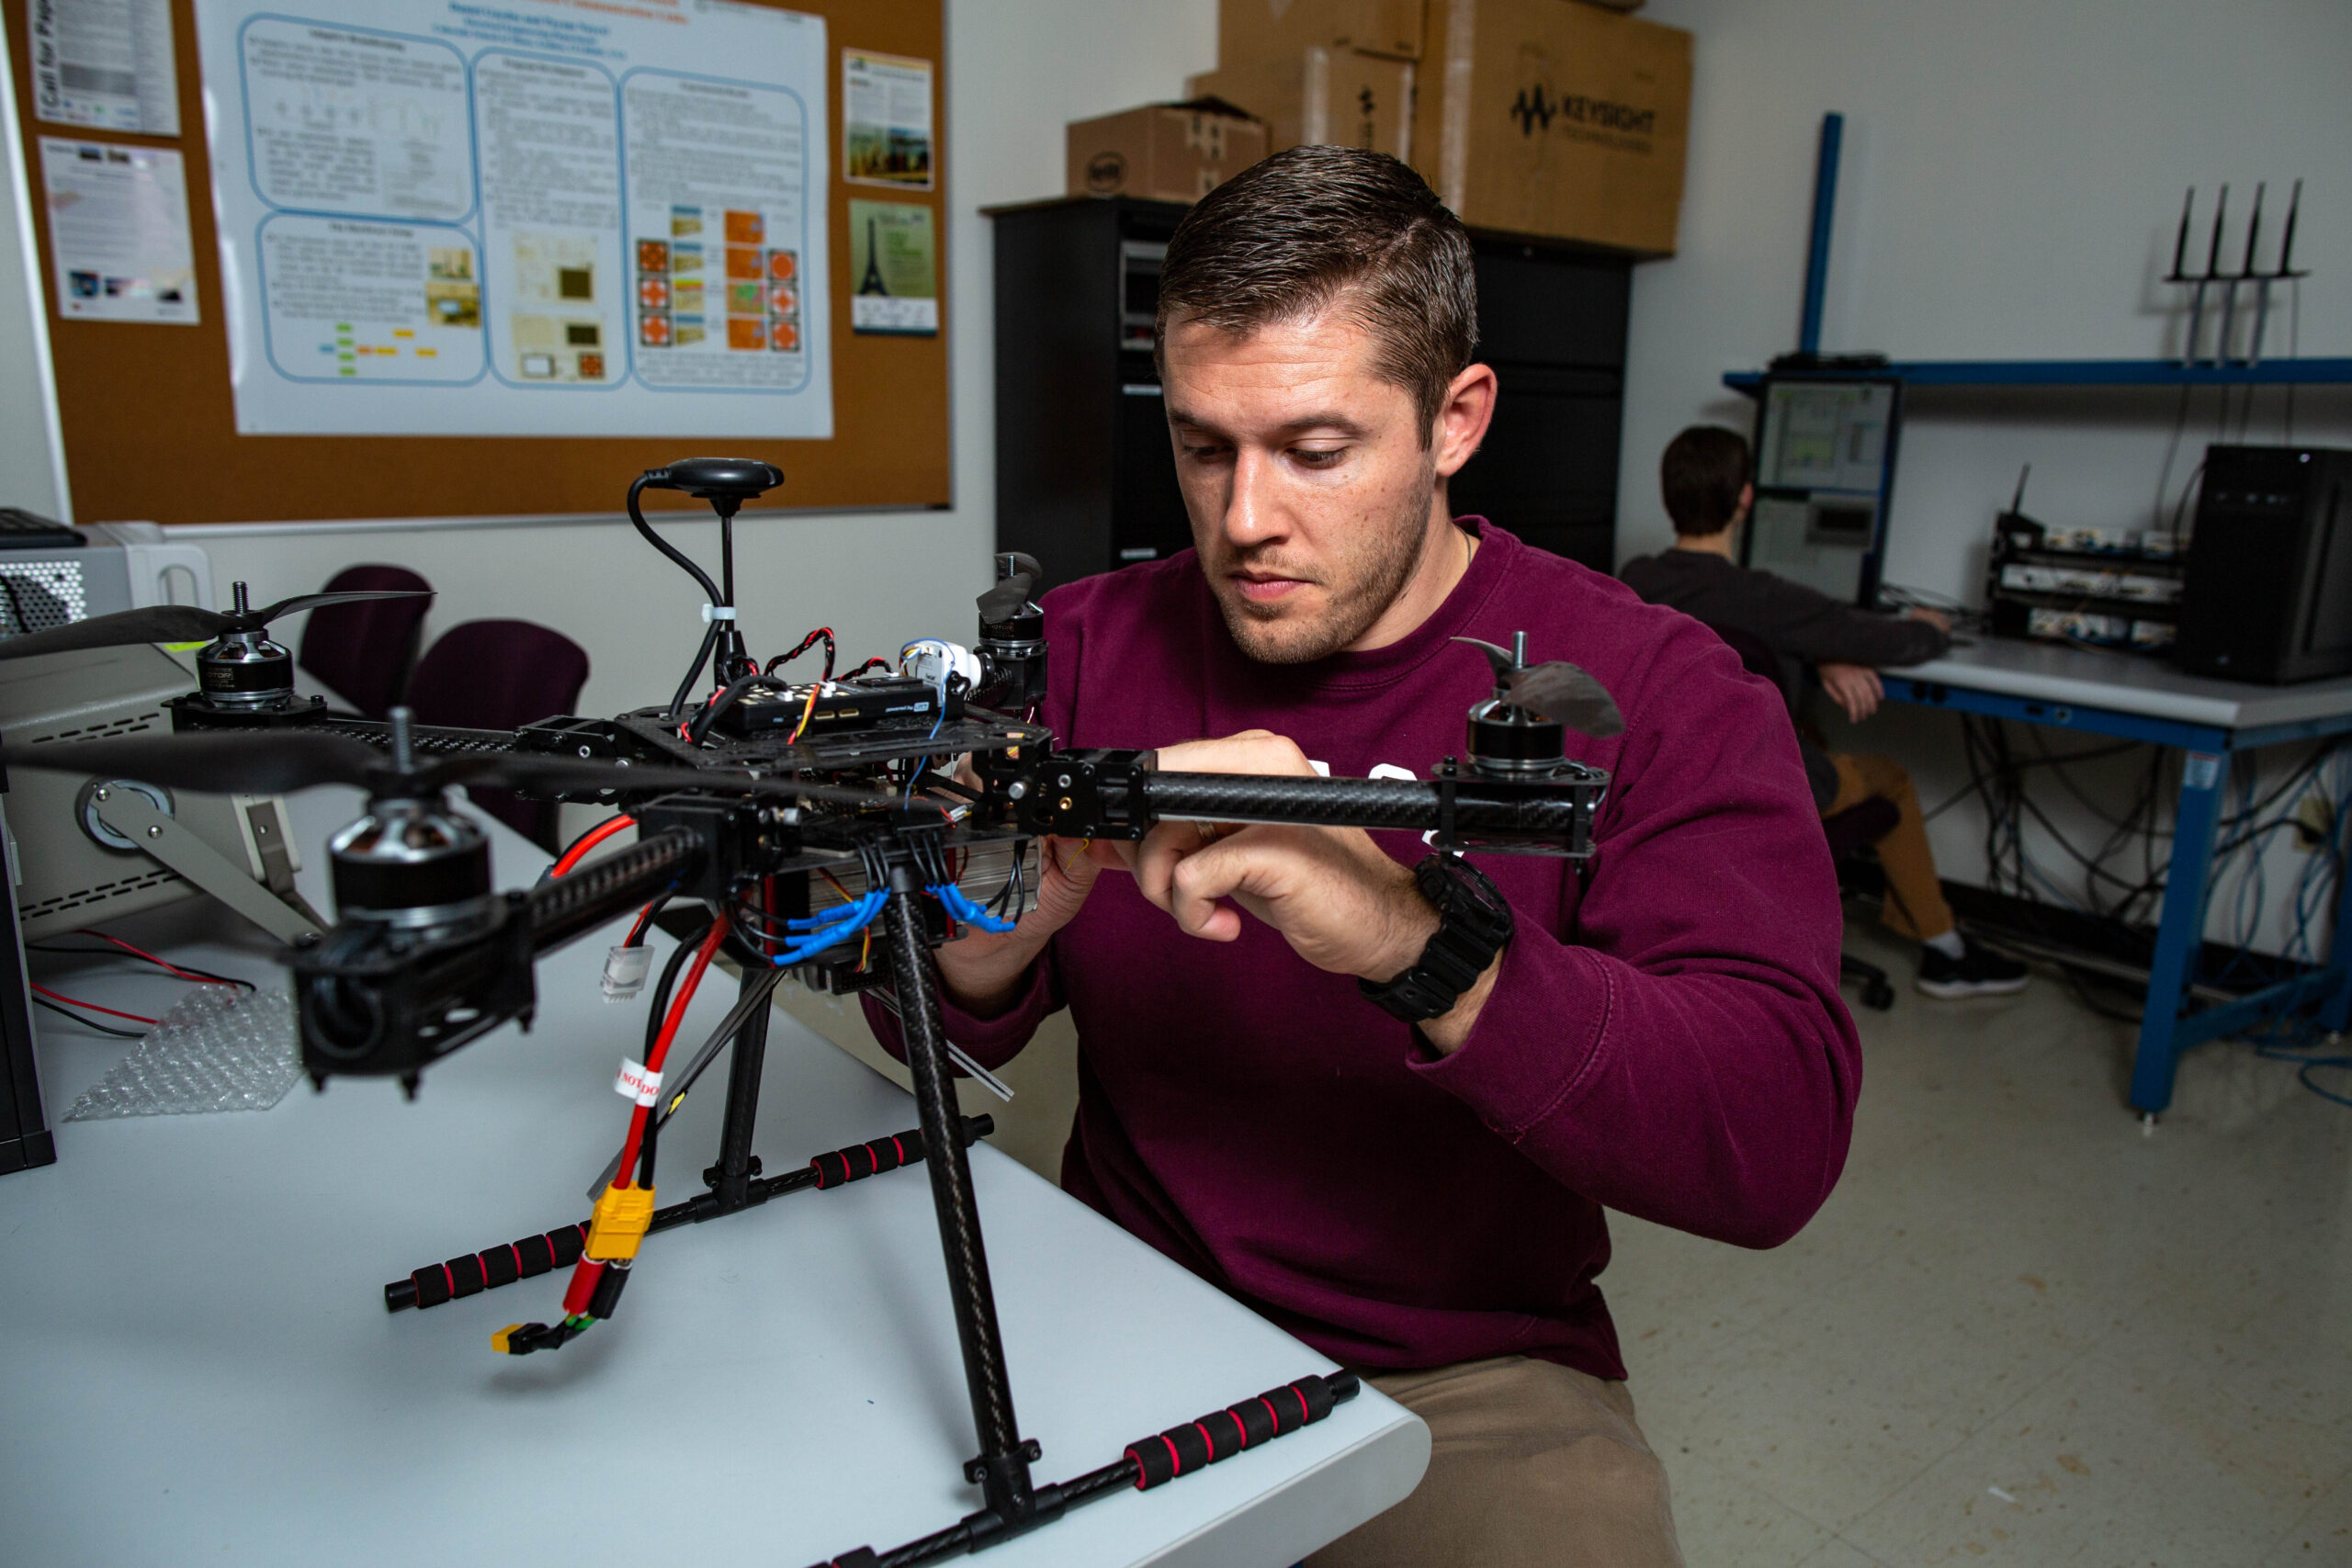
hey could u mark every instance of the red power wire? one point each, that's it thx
(589, 841)
(93, 1006)
(654, 1058)
(142, 952)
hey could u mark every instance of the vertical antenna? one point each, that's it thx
(2286, 243)
(2180, 241)
(2017, 502)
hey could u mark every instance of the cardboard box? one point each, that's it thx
(1557, 120)
(1322, 96)
(1163, 152)
(1250, 32)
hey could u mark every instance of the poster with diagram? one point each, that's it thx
(438, 217)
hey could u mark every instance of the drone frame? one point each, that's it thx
(388, 999)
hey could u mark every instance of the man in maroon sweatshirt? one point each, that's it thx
(1660, 1034)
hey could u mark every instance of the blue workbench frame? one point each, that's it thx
(2168, 1025)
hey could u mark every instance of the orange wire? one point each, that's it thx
(806, 709)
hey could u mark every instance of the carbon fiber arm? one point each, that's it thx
(1119, 795)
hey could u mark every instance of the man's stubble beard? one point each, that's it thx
(1365, 581)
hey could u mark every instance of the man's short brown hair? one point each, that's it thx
(1293, 234)
(1703, 471)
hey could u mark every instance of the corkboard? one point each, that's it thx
(150, 429)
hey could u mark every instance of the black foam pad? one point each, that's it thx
(567, 1244)
(431, 1283)
(500, 1267)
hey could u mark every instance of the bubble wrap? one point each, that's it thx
(217, 1049)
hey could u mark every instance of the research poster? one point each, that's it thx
(574, 218)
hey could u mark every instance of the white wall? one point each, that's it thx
(1016, 73)
(2012, 179)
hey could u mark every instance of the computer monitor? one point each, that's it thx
(1825, 468)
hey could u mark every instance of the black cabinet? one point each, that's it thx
(1552, 322)
(1086, 481)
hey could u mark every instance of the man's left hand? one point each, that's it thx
(1341, 903)
(1854, 687)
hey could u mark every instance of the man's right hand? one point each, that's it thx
(981, 972)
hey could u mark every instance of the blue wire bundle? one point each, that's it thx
(833, 925)
(960, 904)
(836, 926)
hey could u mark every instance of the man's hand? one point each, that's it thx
(1341, 904)
(982, 972)
(1935, 618)
(1854, 687)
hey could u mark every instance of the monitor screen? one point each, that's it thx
(1821, 454)
(1824, 435)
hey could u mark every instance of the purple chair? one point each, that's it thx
(501, 675)
(364, 652)
(1850, 831)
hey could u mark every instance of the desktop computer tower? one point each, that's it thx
(2268, 590)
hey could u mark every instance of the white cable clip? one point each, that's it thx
(637, 1082)
(718, 612)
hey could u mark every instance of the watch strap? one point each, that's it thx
(1474, 923)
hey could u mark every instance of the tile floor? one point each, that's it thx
(2020, 1332)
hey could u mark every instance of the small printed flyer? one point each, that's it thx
(890, 254)
(107, 64)
(886, 121)
(118, 231)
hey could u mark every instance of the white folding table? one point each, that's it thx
(197, 1363)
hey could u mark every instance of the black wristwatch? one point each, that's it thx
(1473, 925)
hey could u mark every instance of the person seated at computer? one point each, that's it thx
(1708, 493)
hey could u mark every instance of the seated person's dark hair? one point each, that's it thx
(1703, 471)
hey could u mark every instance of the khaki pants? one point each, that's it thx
(1915, 903)
(1531, 1465)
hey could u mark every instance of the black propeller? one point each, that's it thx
(1011, 594)
(1558, 689)
(287, 759)
(177, 623)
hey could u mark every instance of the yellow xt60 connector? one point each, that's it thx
(619, 1222)
(501, 1341)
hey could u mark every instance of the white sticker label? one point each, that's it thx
(2200, 770)
(636, 1083)
(1391, 770)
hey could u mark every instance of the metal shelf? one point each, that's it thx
(2074, 373)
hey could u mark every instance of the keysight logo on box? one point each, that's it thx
(1585, 119)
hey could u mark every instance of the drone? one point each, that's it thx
(834, 828)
